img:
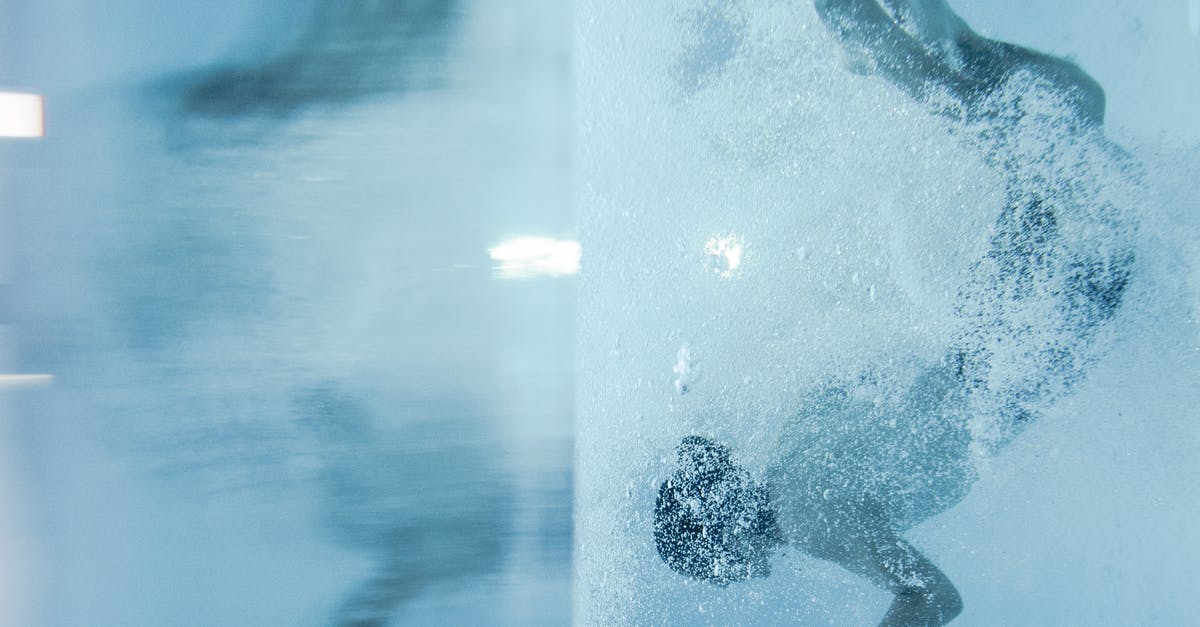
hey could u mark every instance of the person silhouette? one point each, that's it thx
(852, 472)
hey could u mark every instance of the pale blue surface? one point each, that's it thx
(284, 368)
(289, 389)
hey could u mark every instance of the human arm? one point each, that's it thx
(924, 595)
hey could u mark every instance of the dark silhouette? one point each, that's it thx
(712, 521)
(350, 49)
(427, 498)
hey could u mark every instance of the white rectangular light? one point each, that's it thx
(526, 257)
(24, 380)
(21, 115)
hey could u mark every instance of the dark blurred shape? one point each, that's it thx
(181, 272)
(348, 50)
(717, 30)
(712, 522)
(422, 491)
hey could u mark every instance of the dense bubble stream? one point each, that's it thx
(874, 305)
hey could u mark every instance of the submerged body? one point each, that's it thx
(862, 463)
(853, 456)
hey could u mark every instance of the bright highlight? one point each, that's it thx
(725, 252)
(526, 257)
(21, 115)
(24, 380)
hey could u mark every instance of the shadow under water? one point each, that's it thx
(348, 49)
(297, 332)
(427, 498)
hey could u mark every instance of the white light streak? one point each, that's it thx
(21, 115)
(526, 257)
(24, 380)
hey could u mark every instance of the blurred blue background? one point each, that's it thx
(290, 385)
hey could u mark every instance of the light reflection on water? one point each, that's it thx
(288, 389)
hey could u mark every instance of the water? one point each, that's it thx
(774, 252)
(287, 386)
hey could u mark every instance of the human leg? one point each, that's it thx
(922, 47)
(867, 30)
(927, 20)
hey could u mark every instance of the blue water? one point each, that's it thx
(775, 252)
(289, 387)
